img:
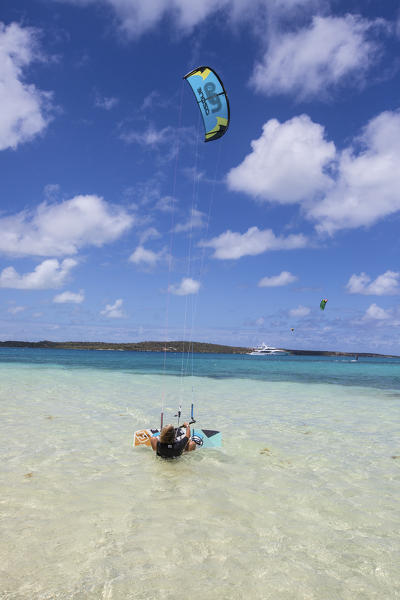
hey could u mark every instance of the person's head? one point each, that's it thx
(167, 435)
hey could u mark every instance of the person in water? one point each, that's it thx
(167, 447)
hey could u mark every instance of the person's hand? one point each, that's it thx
(186, 424)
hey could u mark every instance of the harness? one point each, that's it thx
(172, 450)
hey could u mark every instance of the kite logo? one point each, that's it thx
(203, 101)
(212, 97)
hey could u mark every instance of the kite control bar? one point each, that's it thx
(192, 419)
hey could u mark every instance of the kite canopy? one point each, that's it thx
(323, 303)
(212, 101)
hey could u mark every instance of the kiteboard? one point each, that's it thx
(203, 438)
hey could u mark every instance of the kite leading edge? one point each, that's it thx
(212, 101)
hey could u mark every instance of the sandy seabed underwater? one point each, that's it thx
(301, 502)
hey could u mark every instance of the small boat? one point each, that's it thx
(264, 350)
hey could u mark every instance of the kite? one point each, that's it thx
(323, 303)
(212, 101)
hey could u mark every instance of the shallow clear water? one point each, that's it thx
(300, 503)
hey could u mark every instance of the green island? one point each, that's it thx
(175, 346)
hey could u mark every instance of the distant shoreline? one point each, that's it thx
(178, 346)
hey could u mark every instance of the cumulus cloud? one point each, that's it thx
(195, 221)
(287, 163)
(63, 228)
(377, 313)
(142, 256)
(367, 187)
(292, 162)
(233, 245)
(283, 278)
(300, 311)
(311, 60)
(114, 311)
(49, 274)
(25, 110)
(187, 286)
(69, 297)
(386, 284)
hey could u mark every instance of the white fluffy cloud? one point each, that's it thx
(309, 61)
(300, 311)
(386, 284)
(187, 286)
(114, 311)
(293, 162)
(63, 228)
(283, 278)
(377, 313)
(49, 274)
(232, 245)
(69, 297)
(367, 187)
(287, 163)
(25, 110)
(146, 257)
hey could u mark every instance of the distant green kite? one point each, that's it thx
(323, 303)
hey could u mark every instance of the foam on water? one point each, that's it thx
(300, 503)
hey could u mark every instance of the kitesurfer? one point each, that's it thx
(167, 447)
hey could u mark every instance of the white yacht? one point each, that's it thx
(263, 349)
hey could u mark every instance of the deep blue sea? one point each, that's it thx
(301, 501)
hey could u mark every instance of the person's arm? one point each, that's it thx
(153, 442)
(187, 430)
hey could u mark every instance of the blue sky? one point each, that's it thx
(118, 223)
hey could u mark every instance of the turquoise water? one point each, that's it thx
(300, 503)
(380, 373)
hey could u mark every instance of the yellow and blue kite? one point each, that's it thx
(212, 100)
